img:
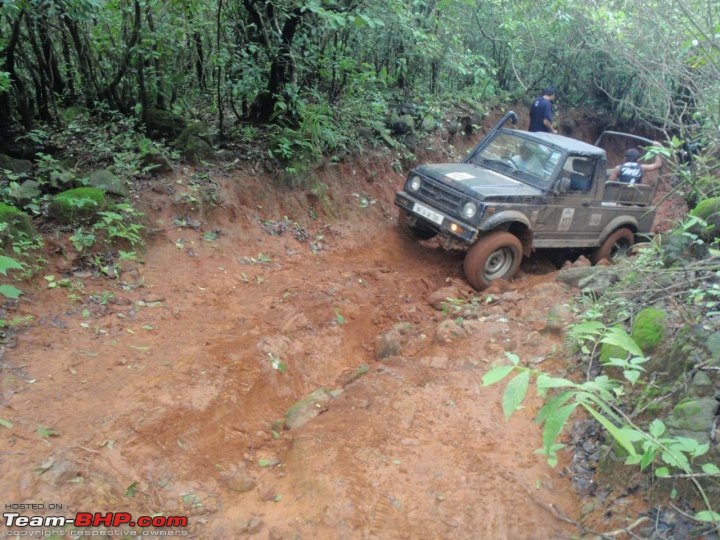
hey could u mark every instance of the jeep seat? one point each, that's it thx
(581, 177)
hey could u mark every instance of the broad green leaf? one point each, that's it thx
(662, 472)
(515, 393)
(677, 460)
(701, 450)
(631, 375)
(684, 444)
(587, 328)
(496, 374)
(554, 425)
(648, 457)
(613, 430)
(544, 381)
(710, 468)
(708, 516)
(514, 358)
(632, 434)
(10, 291)
(8, 263)
(656, 428)
(620, 338)
(551, 406)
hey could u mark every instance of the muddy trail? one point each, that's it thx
(164, 391)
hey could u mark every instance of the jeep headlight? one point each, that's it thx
(469, 210)
(415, 183)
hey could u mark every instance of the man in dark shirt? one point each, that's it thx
(541, 112)
(632, 172)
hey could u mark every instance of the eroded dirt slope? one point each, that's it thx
(160, 392)
(159, 395)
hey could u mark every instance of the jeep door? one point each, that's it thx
(573, 215)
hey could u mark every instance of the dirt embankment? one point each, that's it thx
(160, 392)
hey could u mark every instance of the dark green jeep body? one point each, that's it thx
(518, 191)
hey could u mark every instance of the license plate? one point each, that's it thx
(425, 212)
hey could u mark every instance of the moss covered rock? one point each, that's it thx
(109, 183)
(194, 143)
(79, 204)
(17, 223)
(693, 415)
(164, 123)
(156, 161)
(25, 193)
(709, 211)
(8, 163)
(649, 328)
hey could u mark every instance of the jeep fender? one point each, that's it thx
(514, 222)
(615, 224)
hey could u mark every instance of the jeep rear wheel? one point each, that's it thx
(497, 256)
(408, 225)
(615, 246)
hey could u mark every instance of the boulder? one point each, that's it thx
(77, 204)
(154, 160)
(25, 193)
(193, 143)
(440, 299)
(709, 211)
(693, 415)
(109, 183)
(678, 247)
(164, 123)
(649, 328)
(307, 408)
(11, 164)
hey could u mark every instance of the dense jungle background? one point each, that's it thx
(208, 310)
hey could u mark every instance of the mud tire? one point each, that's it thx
(616, 245)
(496, 256)
(416, 232)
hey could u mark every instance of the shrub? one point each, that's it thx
(14, 223)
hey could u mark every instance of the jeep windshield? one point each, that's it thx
(524, 159)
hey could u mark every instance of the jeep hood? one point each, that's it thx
(478, 181)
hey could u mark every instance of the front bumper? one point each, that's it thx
(443, 223)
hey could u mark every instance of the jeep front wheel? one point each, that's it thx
(496, 256)
(415, 231)
(615, 246)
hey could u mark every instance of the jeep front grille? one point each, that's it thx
(441, 196)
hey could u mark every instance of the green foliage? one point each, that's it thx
(8, 263)
(119, 226)
(670, 454)
(14, 224)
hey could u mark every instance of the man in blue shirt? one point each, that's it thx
(541, 112)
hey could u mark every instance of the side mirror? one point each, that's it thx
(563, 186)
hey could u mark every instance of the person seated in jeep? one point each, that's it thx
(632, 172)
(526, 160)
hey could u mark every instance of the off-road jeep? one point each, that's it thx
(517, 192)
